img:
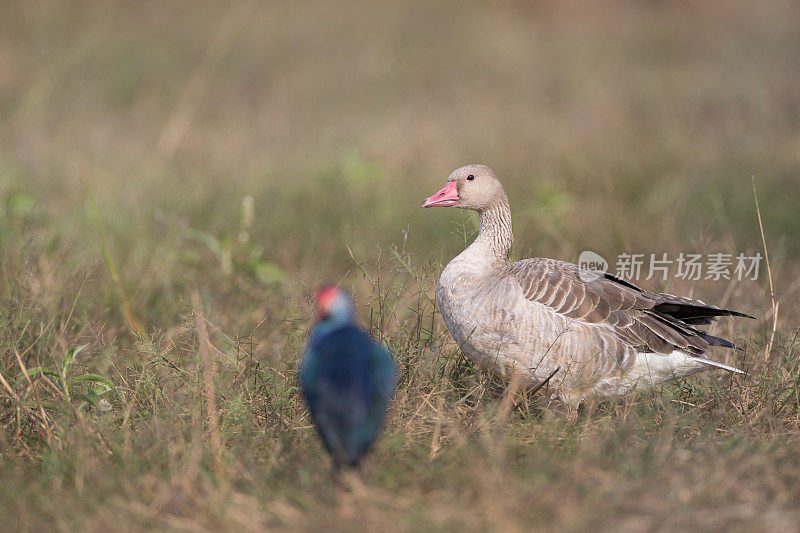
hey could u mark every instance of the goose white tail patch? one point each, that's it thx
(656, 368)
(720, 365)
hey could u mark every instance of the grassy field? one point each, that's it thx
(177, 178)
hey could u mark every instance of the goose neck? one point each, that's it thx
(496, 236)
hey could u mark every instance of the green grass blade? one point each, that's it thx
(130, 317)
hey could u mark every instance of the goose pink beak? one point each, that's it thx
(444, 198)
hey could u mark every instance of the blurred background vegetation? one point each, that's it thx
(250, 151)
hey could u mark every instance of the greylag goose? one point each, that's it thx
(542, 319)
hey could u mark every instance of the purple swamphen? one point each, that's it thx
(347, 379)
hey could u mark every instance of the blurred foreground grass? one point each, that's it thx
(249, 152)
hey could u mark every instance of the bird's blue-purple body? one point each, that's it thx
(347, 379)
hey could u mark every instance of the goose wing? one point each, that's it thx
(651, 322)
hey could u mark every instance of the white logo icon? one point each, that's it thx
(592, 266)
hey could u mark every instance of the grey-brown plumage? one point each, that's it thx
(653, 322)
(547, 319)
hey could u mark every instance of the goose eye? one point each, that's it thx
(470, 177)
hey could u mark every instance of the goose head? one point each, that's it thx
(333, 306)
(473, 187)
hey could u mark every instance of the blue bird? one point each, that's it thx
(347, 379)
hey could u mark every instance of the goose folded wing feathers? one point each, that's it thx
(653, 322)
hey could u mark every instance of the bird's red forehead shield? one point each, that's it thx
(444, 198)
(325, 296)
